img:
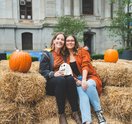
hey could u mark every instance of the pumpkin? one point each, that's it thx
(20, 61)
(111, 55)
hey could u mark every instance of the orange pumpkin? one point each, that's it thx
(20, 61)
(111, 55)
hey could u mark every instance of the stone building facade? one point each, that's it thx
(28, 24)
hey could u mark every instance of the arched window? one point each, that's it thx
(25, 9)
(27, 41)
(87, 7)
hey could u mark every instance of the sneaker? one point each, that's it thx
(101, 119)
(87, 123)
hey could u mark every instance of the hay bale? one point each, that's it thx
(114, 74)
(4, 65)
(30, 88)
(13, 113)
(117, 102)
(47, 108)
(25, 114)
(34, 67)
(22, 87)
(8, 85)
(8, 111)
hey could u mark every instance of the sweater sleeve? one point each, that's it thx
(85, 59)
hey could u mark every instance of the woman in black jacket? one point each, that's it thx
(58, 85)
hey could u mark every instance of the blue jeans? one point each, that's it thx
(86, 98)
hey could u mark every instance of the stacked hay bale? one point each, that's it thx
(114, 74)
(18, 94)
(117, 94)
(23, 99)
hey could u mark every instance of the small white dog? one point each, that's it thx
(66, 69)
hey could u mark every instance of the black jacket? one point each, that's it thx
(46, 65)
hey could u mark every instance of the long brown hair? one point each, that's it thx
(54, 37)
(66, 52)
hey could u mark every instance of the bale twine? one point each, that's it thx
(8, 111)
(117, 102)
(22, 87)
(47, 108)
(114, 74)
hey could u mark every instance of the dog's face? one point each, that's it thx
(66, 69)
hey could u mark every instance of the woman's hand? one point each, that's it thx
(84, 84)
(78, 82)
(59, 73)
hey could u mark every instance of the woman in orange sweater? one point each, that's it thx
(89, 85)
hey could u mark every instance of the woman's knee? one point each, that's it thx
(80, 91)
(61, 81)
(91, 83)
(70, 80)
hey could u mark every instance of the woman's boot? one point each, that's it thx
(62, 119)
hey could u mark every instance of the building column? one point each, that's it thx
(97, 8)
(102, 8)
(107, 9)
(8, 9)
(50, 8)
(59, 8)
(67, 7)
(42, 9)
(76, 7)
